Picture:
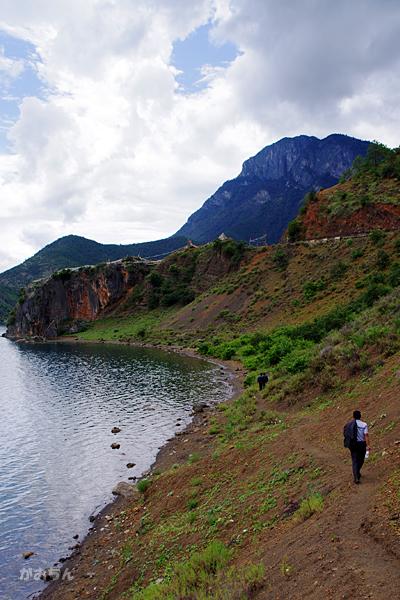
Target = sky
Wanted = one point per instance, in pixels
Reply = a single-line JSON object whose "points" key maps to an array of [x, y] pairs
{"points": [[118, 118]]}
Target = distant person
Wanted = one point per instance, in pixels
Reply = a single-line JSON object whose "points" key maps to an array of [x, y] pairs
{"points": [[356, 439], [265, 379], [262, 380]]}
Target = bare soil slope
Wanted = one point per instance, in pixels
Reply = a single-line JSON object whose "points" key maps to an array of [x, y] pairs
{"points": [[248, 490]]}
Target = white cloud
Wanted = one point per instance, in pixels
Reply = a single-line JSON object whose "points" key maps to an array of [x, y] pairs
{"points": [[116, 153], [10, 68]]}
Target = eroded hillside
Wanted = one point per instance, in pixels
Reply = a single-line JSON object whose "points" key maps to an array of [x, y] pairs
{"points": [[256, 499]]}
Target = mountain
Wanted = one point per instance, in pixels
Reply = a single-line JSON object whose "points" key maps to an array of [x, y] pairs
{"points": [[269, 191], [261, 200], [73, 251], [256, 495]]}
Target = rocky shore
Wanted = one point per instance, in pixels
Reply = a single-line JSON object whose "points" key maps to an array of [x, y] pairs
{"points": [[92, 559]]}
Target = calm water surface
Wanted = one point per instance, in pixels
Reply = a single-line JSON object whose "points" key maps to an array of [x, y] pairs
{"points": [[58, 403]]}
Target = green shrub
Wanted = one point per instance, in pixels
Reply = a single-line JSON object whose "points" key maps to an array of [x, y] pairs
{"points": [[311, 288], [280, 259], [371, 335], [191, 577], [143, 485], [196, 481], [203, 348], [63, 275], [338, 269], [357, 253], [192, 503], [309, 506], [155, 279], [205, 576], [294, 230], [365, 200], [382, 259], [377, 237], [227, 315], [127, 553], [298, 360], [394, 275], [372, 294], [154, 299], [247, 350], [231, 249]]}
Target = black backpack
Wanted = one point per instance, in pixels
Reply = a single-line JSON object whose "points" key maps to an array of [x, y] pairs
{"points": [[350, 434]]}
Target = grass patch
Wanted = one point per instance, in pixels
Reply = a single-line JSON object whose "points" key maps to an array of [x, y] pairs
{"points": [[121, 328], [143, 485], [203, 576], [309, 506]]}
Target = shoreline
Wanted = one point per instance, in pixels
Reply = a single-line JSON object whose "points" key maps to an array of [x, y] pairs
{"points": [[174, 451]]}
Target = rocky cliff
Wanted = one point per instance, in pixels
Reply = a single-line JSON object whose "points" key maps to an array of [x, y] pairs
{"points": [[370, 199], [71, 297], [271, 186], [73, 251]]}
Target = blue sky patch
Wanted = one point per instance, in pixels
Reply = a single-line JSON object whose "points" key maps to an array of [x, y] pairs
{"points": [[196, 51], [14, 89]]}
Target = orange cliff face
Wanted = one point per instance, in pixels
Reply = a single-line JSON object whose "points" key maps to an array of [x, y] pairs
{"points": [[319, 221], [72, 297], [63, 302]]}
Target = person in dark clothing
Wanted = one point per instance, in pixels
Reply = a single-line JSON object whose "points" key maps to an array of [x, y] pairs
{"points": [[262, 381], [359, 447]]}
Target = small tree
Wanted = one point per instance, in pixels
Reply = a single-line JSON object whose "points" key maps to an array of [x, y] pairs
{"points": [[294, 230], [281, 259]]}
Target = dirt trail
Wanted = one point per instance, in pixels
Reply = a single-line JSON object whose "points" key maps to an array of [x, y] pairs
{"points": [[347, 551], [335, 554]]}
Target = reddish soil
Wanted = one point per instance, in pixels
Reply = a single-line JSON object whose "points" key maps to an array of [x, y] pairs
{"points": [[350, 550], [374, 216]]}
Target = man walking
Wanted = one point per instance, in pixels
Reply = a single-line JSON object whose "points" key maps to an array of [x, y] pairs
{"points": [[356, 438], [262, 380]]}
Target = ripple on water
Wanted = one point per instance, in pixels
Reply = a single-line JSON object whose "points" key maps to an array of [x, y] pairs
{"points": [[59, 403]]}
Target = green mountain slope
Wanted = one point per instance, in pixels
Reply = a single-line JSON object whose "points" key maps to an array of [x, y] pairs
{"points": [[257, 499], [73, 251]]}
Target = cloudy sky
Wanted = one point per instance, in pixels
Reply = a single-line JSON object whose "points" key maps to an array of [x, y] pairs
{"points": [[119, 117]]}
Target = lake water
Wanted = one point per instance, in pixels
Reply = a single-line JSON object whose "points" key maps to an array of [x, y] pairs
{"points": [[58, 404]]}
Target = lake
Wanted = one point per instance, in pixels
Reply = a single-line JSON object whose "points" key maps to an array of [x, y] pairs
{"points": [[58, 403]]}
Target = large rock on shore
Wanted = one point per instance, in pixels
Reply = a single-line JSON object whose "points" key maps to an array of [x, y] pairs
{"points": [[126, 490]]}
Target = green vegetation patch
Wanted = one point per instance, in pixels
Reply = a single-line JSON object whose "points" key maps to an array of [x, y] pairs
{"points": [[205, 574], [309, 506], [139, 327]]}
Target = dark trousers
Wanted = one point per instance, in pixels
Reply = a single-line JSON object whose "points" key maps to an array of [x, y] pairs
{"points": [[357, 458]]}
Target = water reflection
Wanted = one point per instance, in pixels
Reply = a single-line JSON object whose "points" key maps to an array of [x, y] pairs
{"points": [[59, 403]]}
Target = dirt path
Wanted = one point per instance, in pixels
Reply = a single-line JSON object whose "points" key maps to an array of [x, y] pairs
{"points": [[335, 554]]}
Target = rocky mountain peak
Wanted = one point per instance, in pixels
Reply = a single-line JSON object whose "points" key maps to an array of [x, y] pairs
{"points": [[270, 188]]}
